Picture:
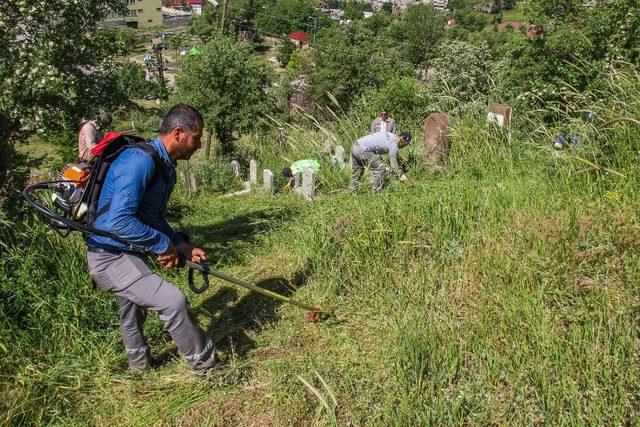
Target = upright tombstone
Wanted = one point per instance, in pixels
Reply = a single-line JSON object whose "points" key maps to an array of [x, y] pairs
{"points": [[281, 140], [267, 180], [340, 153], [307, 189], [327, 149], [236, 168], [499, 114], [192, 185], [437, 142], [253, 172]]}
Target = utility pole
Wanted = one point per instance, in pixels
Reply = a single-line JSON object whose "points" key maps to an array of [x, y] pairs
{"points": [[224, 14], [315, 25], [158, 50]]}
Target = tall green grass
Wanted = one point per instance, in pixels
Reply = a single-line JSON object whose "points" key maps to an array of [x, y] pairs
{"points": [[502, 289]]}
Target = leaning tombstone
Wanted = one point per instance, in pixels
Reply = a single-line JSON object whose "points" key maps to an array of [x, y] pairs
{"points": [[281, 139], [499, 114], [236, 168], [307, 189], [437, 142], [267, 180], [253, 172]]}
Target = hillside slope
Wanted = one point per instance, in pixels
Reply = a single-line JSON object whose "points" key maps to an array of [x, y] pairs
{"points": [[503, 289]]}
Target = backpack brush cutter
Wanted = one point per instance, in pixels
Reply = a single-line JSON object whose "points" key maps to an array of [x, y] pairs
{"points": [[73, 198]]}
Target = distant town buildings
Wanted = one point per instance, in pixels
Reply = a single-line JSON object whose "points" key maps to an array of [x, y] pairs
{"points": [[191, 5], [141, 14], [401, 5]]}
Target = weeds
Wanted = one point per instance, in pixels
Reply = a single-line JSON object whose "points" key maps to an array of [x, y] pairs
{"points": [[500, 290]]}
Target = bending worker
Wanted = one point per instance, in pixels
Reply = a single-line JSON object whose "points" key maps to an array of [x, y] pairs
{"points": [[132, 206], [293, 174], [91, 133], [366, 153]]}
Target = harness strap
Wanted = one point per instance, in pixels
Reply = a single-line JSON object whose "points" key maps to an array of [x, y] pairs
{"points": [[159, 168]]}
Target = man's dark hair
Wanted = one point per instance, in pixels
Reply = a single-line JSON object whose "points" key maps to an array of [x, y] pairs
{"points": [[384, 110], [287, 172], [181, 116], [406, 136]]}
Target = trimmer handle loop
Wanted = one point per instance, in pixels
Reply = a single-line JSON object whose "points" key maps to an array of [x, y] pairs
{"points": [[192, 284]]}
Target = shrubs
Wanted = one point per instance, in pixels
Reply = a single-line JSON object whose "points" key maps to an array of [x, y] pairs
{"points": [[216, 176]]}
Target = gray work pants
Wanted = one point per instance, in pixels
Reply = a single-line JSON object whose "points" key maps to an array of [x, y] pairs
{"points": [[139, 289], [361, 160]]}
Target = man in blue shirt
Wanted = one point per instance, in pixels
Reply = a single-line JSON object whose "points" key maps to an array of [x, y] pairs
{"points": [[132, 203]]}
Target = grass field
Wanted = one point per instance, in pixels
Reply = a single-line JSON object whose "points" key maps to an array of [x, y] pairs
{"points": [[500, 290]]}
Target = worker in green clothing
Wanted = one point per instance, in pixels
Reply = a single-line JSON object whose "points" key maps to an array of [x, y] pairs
{"points": [[293, 174]]}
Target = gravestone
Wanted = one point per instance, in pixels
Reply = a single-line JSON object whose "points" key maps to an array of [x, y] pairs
{"points": [[192, 183], [267, 180], [327, 148], [499, 114], [253, 172], [236, 168], [281, 139], [437, 142], [340, 153], [307, 189]]}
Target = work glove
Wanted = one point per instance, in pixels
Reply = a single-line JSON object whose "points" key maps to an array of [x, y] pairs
{"points": [[403, 177]]}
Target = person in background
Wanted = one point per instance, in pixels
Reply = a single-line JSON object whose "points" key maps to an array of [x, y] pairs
{"points": [[91, 133], [383, 123], [366, 153], [293, 174]]}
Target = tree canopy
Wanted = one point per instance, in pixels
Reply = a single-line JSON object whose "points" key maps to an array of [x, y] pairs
{"points": [[229, 85]]}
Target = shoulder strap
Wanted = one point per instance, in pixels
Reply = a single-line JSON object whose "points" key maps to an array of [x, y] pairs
{"points": [[160, 168]]}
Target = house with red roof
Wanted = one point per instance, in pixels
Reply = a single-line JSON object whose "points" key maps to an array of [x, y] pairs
{"points": [[196, 5], [300, 38]]}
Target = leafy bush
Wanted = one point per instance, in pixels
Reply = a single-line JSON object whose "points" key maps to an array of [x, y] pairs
{"points": [[216, 176], [132, 81]]}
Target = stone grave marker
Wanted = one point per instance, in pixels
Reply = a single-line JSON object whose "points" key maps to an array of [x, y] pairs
{"points": [[253, 172], [267, 180], [192, 183], [340, 153], [307, 189], [236, 168], [437, 142], [327, 148], [499, 114]]}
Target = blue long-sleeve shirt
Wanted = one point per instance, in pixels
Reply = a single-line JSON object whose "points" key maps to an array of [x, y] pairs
{"points": [[138, 202]]}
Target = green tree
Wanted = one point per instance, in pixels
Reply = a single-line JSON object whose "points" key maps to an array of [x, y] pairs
{"points": [[355, 10], [578, 46], [132, 81], [348, 63], [419, 31], [228, 84], [471, 20], [53, 68], [287, 16], [284, 52]]}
